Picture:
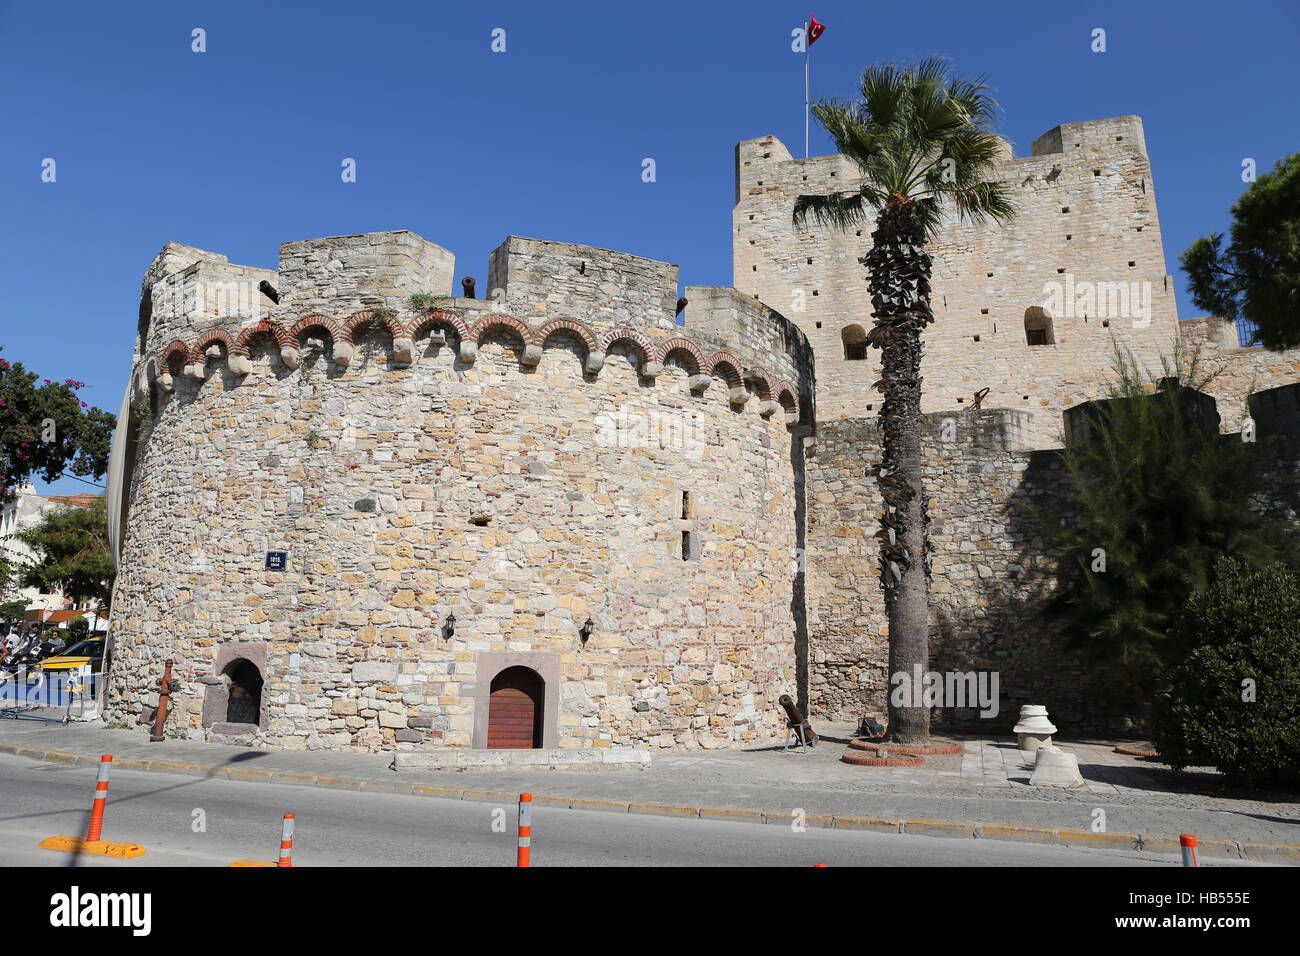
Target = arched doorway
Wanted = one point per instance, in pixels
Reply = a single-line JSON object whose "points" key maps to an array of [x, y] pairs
{"points": [[244, 703], [515, 710]]}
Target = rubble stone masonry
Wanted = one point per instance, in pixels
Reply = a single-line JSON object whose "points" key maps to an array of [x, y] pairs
{"points": [[581, 456]]}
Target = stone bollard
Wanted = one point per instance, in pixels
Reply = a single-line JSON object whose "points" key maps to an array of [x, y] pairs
{"points": [[1053, 767], [1034, 730]]}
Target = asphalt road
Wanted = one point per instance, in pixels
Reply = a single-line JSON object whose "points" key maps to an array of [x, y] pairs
{"points": [[163, 813]]}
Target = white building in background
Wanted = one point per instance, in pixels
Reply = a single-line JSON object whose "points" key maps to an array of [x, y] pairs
{"points": [[23, 512]]}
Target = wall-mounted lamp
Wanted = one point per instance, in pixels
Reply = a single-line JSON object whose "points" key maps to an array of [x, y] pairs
{"points": [[584, 632], [449, 627]]}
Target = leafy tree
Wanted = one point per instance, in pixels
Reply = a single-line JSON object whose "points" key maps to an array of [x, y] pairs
{"points": [[12, 612], [922, 142], [1155, 496], [1257, 277], [46, 428], [71, 545], [12, 607], [1234, 701]]}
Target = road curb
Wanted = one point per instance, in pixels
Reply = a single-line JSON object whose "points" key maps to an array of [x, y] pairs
{"points": [[1257, 852]]}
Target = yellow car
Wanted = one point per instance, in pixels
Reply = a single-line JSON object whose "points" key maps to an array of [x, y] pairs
{"points": [[89, 651]]}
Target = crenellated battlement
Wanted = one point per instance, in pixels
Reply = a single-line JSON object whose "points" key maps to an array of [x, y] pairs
{"points": [[463, 329], [207, 311]]}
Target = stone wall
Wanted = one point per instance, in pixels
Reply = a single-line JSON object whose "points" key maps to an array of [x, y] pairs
{"points": [[525, 473], [991, 575], [1235, 373]]}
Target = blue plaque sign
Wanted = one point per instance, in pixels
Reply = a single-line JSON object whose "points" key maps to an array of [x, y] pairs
{"points": [[276, 560]]}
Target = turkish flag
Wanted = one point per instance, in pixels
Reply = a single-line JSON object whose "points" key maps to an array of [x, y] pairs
{"points": [[815, 29]]}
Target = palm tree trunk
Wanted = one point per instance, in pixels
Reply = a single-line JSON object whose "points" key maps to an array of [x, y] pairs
{"points": [[900, 297]]}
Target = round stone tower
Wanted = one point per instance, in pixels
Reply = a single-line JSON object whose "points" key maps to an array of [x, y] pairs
{"points": [[556, 518]]}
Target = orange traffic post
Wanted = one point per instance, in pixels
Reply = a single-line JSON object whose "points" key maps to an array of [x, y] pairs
{"points": [[93, 841], [525, 828], [100, 796], [1188, 843], [286, 848], [286, 841]]}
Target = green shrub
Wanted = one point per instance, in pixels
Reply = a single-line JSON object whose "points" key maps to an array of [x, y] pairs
{"points": [[1154, 496], [1247, 628], [422, 301]]}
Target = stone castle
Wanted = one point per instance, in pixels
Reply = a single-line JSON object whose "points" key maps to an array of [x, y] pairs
{"points": [[584, 517]]}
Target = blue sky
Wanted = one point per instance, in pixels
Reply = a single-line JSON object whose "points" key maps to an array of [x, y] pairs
{"points": [[239, 148]]}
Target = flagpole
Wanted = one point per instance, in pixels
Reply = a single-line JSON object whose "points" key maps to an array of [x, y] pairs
{"points": [[807, 46]]}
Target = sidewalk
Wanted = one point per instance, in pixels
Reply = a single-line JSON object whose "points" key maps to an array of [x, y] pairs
{"points": [[982, 793]]}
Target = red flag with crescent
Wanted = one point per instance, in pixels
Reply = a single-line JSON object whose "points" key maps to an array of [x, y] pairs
{"points": [[815, 29]]}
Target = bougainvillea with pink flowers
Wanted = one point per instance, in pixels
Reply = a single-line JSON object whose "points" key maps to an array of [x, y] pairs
{"points": [[48, 429]]}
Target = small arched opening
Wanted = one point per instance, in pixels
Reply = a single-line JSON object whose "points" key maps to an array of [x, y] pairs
{"points": [[1038, 326], [855, 343], [515, 710], [244, 700]]}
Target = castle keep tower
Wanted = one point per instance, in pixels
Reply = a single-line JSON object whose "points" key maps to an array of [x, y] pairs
{"points": [[556, 518], [1028, 311]]}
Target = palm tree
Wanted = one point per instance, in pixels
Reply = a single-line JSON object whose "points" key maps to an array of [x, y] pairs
{"points": [[922, 142]]}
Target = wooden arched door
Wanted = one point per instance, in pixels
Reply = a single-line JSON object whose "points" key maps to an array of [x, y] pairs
{"points": [[515, 710]]}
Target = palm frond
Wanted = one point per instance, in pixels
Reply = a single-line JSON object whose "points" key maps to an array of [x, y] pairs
{"points": [[840, 210], [920, 133]]}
